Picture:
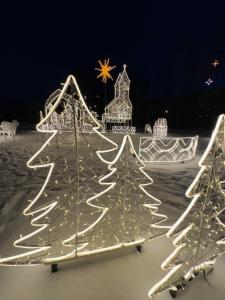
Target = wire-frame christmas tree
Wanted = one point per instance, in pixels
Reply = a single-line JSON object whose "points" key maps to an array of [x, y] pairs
{"points": [[131, 215], [199, 232], [70, 162], [79, 212]]}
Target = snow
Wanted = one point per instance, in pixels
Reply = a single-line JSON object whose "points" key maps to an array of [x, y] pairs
{"points": [[110, 276], [124, 277]]}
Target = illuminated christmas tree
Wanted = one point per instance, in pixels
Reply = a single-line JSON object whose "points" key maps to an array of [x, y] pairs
{"points": [[79, 211], [131, 211], [199, 232], [69, 161]]}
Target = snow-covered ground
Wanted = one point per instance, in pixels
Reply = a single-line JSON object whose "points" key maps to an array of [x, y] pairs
{"points": [[127, 276], [122, 278]]}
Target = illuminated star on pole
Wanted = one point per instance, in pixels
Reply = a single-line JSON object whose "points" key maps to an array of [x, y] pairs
{"points": [[209, 81], [104, 70]]}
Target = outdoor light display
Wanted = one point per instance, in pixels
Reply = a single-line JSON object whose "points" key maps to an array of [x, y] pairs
{"points": [[148, 129], [94, 198], [209, 81], [52, 99], [63, 119], [199, 232], [124, 129], [167, 150], [8, 129], [131, 212], [119, 110], [104, 70], [160, 129]]}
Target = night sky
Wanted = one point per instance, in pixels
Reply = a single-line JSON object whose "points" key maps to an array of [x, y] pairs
{"points": [[168, 47]]}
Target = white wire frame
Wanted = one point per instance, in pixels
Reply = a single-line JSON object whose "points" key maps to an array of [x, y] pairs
{"points": [[8, 129], [123, 129], [119, 110], [168, 150], [160, 128], [64, 120], [216, 142]]}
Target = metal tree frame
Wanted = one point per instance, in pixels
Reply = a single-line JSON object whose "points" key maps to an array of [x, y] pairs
{"points": [[199, 233], [94, 198]]}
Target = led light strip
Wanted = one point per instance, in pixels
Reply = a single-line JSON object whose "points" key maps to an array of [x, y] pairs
{"points": [[168, 150], [157, 288], [27, 211]]}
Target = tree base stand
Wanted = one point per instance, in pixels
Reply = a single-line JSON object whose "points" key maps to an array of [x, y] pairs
{"points": [[139, 248], [184, 282], [173, 293], [54, 268]]}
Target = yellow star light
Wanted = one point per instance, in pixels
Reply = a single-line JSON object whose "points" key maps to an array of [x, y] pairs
{"points": [[104, 70]]}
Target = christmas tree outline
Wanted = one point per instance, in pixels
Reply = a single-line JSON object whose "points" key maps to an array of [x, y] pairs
{"points": [[152, 207], [170, 262], [46, 209]]}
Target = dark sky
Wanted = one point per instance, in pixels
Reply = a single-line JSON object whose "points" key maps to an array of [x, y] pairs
{"points": [[167, 45]]}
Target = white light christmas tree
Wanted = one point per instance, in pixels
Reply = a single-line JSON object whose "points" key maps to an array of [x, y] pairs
{"points": [[199, 232], [131, 211], [79, 211], [61, 208]]}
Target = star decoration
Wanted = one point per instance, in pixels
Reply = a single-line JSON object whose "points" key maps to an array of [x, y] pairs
{"points": [[209, 81], [215, 63], [104, 70]]}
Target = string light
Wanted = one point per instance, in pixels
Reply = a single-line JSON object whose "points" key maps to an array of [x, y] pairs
{"points": [[38, 252], [64, 120], [8, 129], [119, 110], [72, 215], [202, 241], [148, 128], [136, 218], [123, 129], [160, 129], [167, 150], [209, 81], [215, 63]]}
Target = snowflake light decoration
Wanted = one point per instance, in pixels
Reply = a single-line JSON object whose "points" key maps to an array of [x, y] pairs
{"points": [[104, 70]]}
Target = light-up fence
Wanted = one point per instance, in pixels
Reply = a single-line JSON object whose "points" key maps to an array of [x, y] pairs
{"points": [[167, 150], [123, 129]]}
